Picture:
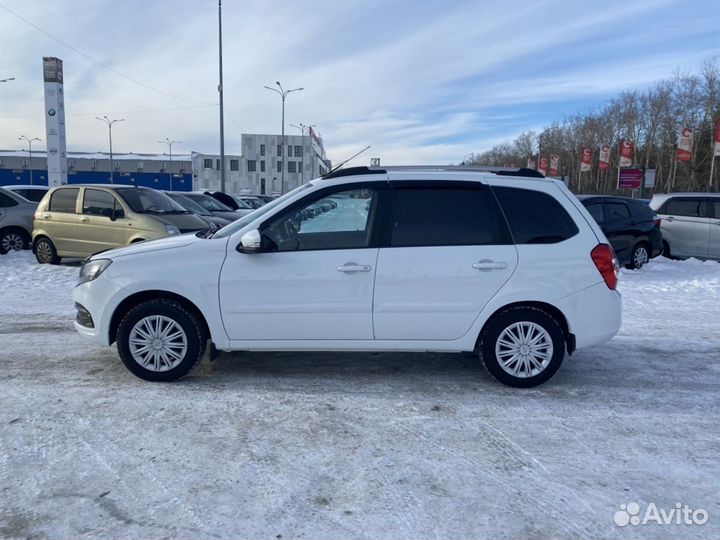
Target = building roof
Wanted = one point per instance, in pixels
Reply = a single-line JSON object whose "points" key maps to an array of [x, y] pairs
{"points": [[100, 155]]}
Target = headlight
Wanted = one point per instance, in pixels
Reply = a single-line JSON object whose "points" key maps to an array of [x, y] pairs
{"points": [[92, 269], [172, 230]]}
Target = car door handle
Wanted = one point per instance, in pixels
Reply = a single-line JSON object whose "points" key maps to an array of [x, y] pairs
{"points": [[354, 267], [47, 216], [486, 265], [84, 220]]}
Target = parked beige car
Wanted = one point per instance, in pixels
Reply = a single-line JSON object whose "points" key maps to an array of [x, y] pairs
{"points": [[80, 220]]}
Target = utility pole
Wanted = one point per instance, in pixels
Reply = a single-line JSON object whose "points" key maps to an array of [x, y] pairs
{"points": [[283, 94], [29, 141], [170, 143], [220, 91], [109, 125]]}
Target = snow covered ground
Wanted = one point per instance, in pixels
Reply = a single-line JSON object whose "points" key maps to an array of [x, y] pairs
{"points": [[359, 445]]}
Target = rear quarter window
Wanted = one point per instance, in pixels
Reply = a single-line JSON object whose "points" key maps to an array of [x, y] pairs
{"points": [[6, 201], [535, 217]]}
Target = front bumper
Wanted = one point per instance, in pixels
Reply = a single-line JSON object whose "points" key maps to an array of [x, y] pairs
{"points": [[99, 298]]}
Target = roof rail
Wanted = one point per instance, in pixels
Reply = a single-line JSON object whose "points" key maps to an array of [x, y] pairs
{"points": [[353, 171]]}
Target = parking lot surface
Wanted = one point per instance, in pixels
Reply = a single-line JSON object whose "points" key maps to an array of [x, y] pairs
{"points": [[359, 445]]}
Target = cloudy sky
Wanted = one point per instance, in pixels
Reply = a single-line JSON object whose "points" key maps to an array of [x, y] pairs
{"points": [[421, 81]]}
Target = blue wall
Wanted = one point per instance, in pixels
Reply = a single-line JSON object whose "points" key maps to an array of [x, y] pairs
{"points": [[154, 180]]}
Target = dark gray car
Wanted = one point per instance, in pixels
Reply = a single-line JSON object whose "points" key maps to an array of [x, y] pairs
{"points": [[16, 221]]}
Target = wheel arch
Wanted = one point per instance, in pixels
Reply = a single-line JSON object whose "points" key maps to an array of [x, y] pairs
{"points": [[139, 297], [18, 229], [551, 310]]}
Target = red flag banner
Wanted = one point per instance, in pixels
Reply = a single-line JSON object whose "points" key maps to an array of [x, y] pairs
{"points": [[530, 163], [543, 166], [685, 142], [627, 150], [554, 165], [604, 157], [717, 137], [586, 161]]}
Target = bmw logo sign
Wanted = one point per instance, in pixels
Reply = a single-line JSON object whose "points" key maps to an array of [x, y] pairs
{"points": [[51, 112]]}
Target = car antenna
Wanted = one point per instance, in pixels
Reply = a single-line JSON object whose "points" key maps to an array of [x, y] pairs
{"points": [[348, 159]]}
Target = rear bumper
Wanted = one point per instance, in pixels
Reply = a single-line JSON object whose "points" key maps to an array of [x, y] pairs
{"points": [[655, 243], [594, 314]]}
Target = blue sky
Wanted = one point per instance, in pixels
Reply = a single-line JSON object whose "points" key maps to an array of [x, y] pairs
{"points": [[422, 81]]}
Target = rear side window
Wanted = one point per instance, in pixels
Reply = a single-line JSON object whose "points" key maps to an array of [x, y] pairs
{"points": [[686, 208], [444, 217], [535, 217], [63, 200], [34, 195], [6, 201], [617, 210]]}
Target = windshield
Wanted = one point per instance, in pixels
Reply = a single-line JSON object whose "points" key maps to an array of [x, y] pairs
{"points": [[208, 202], [149, 201], [252, 216], [189, 204], [242, 203]]}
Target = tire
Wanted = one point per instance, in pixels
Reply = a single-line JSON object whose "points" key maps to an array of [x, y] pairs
{"points": [[639, 257], [13, 239], [45, 251], [174, 358], [539, 363], [666, 250]]}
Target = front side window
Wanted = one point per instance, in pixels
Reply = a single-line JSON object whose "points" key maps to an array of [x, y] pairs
{"points": [[341, 220], [535, 217], [686, 208], [63, 200], [596, 211], [97, 202], [617, 210], [442, 216]]}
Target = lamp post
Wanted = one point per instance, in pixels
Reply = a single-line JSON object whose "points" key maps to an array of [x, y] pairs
{"points": [[220, 92], [302, 127], [109, 125], [29, 141], [471, 155], [283, 94], [170, 142]]}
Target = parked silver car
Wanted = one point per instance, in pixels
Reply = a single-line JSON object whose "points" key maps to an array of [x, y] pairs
{"points": [[30, 192], [690, 224], [16, 221]]}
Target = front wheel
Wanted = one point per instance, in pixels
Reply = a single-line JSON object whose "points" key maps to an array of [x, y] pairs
{"points": [[522, 347], [639, 257], [160, 340]]}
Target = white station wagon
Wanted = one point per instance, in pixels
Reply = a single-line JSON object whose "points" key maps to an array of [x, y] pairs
{"points": [[498, 262]]}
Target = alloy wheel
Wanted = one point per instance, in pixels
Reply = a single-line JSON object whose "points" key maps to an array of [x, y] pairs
{"points": [[11, 241], [524, 349], [641, 257]]}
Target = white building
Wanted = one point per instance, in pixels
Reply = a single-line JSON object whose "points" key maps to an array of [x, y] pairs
{"points": [[259, 168]]}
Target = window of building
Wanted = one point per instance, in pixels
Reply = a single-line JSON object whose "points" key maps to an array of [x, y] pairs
{"points": [[279, 166], [346, 225], [252, 165], [63, 200], [207, 163], [262, 185], [535, 217], [291, 166], [234, 165], [443, 216], [290, 150], [279, 150], [217, 164], [262, 166], [298, 151], [262, 149]]}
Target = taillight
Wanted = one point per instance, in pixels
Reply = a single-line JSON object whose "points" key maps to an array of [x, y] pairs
{"points": [[657, 221], [604, 258]]}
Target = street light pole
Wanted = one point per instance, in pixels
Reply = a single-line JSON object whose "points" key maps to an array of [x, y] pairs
{"points": [[283, 94], [302, 128], [29, 141], [170, 143], [109, 125], [220, 91]]}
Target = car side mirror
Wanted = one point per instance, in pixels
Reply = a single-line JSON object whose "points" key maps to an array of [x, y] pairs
{"points": [[250, 242]]}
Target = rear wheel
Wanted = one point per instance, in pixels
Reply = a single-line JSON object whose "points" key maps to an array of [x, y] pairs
{"points": [[13, 240], [639, 257], [522, 346], [45, 251], [160, 340]]}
